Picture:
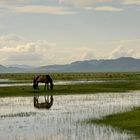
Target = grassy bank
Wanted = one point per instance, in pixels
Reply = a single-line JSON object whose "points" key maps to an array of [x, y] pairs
{"points": [[113, 82], [129, 121], [76, 76], [85, 88]]}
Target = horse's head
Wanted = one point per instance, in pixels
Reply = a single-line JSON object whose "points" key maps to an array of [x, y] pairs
{"points": [[35, 84]]}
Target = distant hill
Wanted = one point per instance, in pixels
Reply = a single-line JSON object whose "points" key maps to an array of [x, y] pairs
{"points": [[2, 68], [123, 64]]}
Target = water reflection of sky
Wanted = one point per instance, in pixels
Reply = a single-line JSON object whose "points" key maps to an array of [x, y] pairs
{"points": [[8, 83], [62, 121]]}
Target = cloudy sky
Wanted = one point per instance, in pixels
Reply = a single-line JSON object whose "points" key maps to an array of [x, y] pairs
{"points": [[44, 32]]}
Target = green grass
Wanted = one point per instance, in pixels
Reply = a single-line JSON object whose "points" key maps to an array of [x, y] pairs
{"points": [[126, 121], [86, 88], [129, 121], [76, 76], [114, 83]]}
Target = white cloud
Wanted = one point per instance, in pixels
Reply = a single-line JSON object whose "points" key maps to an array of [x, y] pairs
{"points": [[40, 52], [11, 40], [121, 51], [11, 37], [131, 2], [13, 2], [15, 49], [108, 8], [125, 48], [40, 9], [80, 53], [82, 3], [35, 9]]}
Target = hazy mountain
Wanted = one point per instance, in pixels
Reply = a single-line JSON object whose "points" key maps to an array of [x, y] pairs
{"points": [[21, 66], [2, 68], [123, 64]]}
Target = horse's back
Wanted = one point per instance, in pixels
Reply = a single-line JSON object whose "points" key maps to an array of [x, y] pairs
{"points": [[40, 78], [43, 78]]}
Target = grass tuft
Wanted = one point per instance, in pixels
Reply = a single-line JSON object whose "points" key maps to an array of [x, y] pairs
{"points": [[129, 121]]}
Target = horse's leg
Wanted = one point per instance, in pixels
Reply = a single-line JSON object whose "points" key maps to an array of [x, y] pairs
{"points": [[45, 86], [48, 98], [37, 87], [45, 99]]}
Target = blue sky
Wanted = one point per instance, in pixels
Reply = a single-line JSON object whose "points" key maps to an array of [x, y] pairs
{"points": [[45, 32]]}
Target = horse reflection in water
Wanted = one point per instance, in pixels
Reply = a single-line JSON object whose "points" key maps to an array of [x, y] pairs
{"points": [[43, 79], [49, 83], [44, 105]]}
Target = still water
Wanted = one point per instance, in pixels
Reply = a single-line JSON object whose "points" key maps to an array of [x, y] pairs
{"points": [[9, 83], [19, 120]]}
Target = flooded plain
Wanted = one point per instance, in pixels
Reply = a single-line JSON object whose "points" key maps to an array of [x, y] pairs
{"points": [[9, 83], [19, 120]]}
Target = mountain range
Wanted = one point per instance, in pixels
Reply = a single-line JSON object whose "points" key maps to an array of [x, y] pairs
{"points": [[122, 64]]}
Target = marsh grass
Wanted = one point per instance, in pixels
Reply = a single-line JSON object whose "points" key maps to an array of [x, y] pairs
{"points": [[68, 89], [84, 88], [21, 114], [129, 121], [76, 76], [125, 121]]}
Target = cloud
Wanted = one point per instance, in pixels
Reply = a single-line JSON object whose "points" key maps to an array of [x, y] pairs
{"points": [[82, 3], [11, 40], [16, 49], [39, 52], [13, 2], [125, 48], [108, 8], [35, 9], [131, 2], [40, 9], [121, 51], [11, 37]]}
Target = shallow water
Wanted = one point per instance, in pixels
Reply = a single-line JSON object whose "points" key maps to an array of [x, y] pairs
{"points": [[9, 83], [20, 120]]}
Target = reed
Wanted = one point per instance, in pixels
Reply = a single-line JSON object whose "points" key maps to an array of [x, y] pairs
{"points": [[129, 121]]}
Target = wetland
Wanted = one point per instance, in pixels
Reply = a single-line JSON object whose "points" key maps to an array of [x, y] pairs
{"points": [[78, 98]]}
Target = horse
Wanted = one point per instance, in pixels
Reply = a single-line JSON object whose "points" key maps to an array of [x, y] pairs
{"points": [[46, 105], [43, 79]]}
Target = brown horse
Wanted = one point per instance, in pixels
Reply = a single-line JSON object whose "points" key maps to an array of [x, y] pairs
{"points": [[47, 104], [43, 79]]}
